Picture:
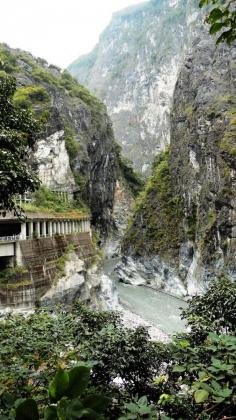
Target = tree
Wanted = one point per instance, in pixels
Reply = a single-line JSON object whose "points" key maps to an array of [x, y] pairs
{"points": [[215, 311], [18, 130], [222, 18]]}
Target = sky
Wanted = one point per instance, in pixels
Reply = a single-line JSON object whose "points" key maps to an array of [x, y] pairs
{"points": [[56, 30]]}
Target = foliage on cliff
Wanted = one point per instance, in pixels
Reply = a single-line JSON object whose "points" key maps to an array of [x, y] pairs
{"points": [[192, 377], [44, 200], [18, 130], [60, 103], [133, 179], [221, 18], [155, 227]]}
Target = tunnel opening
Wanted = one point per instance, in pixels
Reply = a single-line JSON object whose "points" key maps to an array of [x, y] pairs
{"points": [[10, 229]]}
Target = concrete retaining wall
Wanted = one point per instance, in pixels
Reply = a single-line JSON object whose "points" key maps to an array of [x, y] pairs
{"points": [[40, 258]]}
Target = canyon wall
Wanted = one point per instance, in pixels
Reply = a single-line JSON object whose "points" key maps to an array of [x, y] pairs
{"points": [[75, 151], [183, 228], [134, 68]]}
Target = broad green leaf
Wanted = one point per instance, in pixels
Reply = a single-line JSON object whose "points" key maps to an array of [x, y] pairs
{"points": [[78, 380], [205, 386], [145, 410], [59, 385], [179, 369], [132, 407], [50, 413], [87, 413], [218, 399], [166, 418], [215, 385], [27, 410], [203, 3], [69, 409], [223, 392], [203, 376], [97, 402], [143, 400], [201, 395], [216, 27], [214, 15]]}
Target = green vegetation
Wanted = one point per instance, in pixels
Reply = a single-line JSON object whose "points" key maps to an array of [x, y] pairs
{"points": [[68, 400], [18, 130], [25, 96], [213, 312], [60, 262], [191, 377], [156, 227], [228, 143], [13, 277], [72, 146], [47, 201], [43, 75], [189, 111], [221, 18], [191, 220], [134, 180], [70, 85], [8, 62]]}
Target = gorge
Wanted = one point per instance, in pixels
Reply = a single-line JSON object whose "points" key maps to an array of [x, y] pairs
{"points": [[118, 214], [181, 232]]}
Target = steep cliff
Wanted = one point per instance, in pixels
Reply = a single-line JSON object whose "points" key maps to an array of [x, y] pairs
{"points": [[184, 226], [134, 68], [76, 150]]}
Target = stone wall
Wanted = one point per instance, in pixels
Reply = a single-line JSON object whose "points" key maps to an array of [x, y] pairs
{"points": [[44, 261]]}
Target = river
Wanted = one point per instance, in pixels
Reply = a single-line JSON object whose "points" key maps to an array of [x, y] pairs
{"points": [[156, 308]]}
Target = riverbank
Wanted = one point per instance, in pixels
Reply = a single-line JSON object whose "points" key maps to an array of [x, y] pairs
{"points": [[131, 320]]}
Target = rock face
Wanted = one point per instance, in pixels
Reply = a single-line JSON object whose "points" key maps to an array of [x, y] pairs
{"points": [[76, 149], [194, 184], [203, 157], [53, 163], [134, 68]]}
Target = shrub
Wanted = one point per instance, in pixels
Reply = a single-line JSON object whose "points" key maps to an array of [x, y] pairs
{"points": [[8, 61], [215, 311], [25, 96], [119, 352], [46, 200], [72, 146], [45, 76]]}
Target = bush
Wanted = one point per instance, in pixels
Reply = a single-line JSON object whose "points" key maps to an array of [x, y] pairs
{"points": [[192, 377], [48, 201], [8, 61], [120, 352], [69, 399], [72, 146], [25, 96], [215, 311]]}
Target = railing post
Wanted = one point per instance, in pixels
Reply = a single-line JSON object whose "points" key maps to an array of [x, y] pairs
{"points": [[31, 229], [23, 231], [44, 233], [50, 228]]}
